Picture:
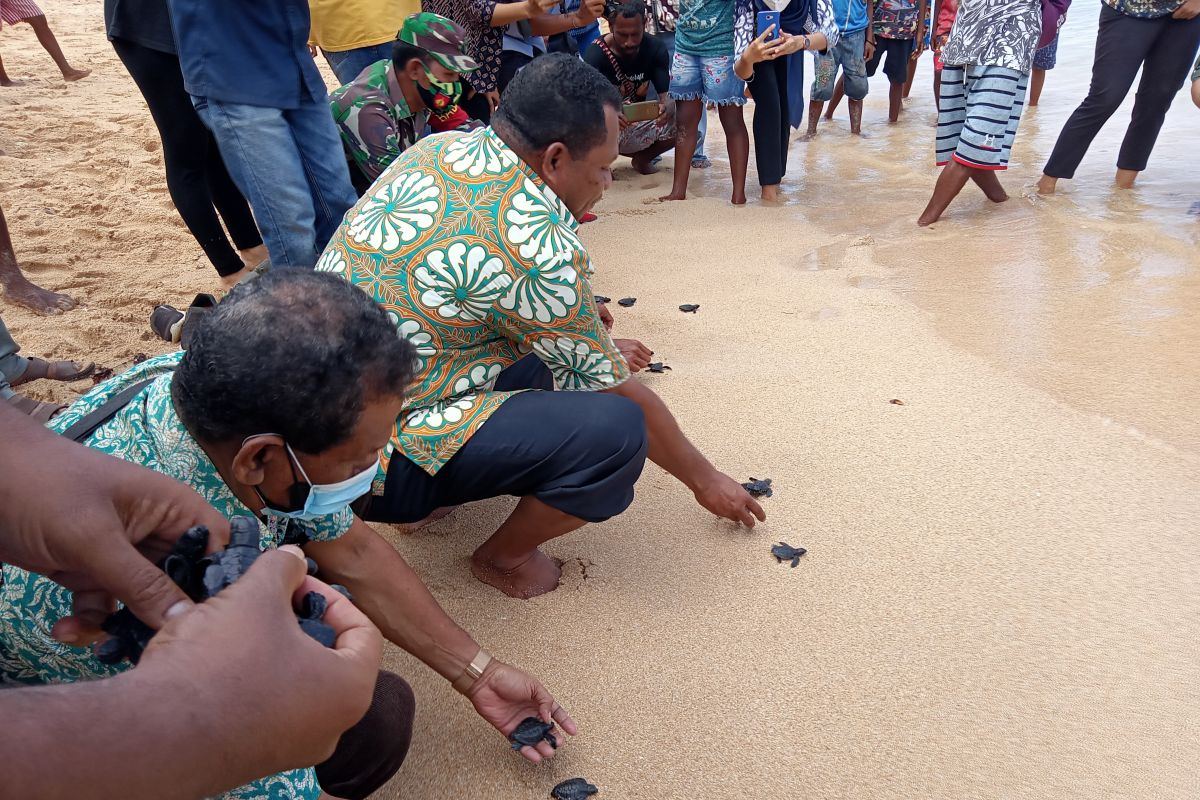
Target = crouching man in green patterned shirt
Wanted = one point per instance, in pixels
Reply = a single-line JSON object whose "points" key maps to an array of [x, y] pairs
{"points": [[469, 242], [278, 409]]}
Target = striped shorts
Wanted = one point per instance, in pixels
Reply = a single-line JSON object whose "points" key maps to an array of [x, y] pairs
{"points": [[13, 11], [980, 109]]}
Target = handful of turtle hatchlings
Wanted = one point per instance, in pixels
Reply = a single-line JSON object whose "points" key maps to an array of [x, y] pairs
{"points": [[201, 577]]}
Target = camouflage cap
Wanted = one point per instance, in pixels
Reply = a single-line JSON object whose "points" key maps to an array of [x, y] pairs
{"points": [[442, 38]]}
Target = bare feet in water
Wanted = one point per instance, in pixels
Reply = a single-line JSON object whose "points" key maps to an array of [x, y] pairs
{"points": [[36, 299], [537, 574], [1125, 178], [738, 198], [770, 194], [1047, 185]]}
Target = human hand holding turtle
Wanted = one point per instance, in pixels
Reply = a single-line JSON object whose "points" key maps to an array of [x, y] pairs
{"points": [[505, 696], [636, 354]]}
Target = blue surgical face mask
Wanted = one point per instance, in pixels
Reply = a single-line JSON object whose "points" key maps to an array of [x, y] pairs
{"points": [[325, 498]]}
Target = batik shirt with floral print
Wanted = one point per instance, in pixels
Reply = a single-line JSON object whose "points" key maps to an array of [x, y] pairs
{"points": [[478, 264], [147, 431]]}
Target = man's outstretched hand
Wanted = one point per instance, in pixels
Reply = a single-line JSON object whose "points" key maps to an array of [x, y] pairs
{"points": [[505, 696], [727, 498]]}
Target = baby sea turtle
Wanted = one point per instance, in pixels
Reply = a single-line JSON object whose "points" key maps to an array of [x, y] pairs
{"points": [[531, 731], [573, 789], [759, 488], [601, 299], [690, 308], [657, 366], [202, 576], [784, 552], [627, 302]]}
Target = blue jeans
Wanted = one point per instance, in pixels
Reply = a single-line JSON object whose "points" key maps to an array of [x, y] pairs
{"points": [[669, 40], [348, 64], [849, 54], [292, 170]]}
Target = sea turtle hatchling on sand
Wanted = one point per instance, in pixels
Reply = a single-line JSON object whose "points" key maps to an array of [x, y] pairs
{"points": [[759, 488], [531, 731], [690, 308], [601, 299], [627, 302], [785, 552], [657, 366], [574, 789]]}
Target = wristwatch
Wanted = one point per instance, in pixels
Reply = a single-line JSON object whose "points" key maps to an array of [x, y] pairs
{"points": [[807, 42]]}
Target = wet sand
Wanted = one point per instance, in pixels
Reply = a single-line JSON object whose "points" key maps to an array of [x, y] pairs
{"points": [[999, 595]]}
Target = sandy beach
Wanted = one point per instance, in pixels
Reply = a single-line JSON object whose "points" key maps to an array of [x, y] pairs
{"points": [[999, 597]]}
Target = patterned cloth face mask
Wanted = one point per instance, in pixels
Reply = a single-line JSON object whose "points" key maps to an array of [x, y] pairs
{"points": [[441, 96]]}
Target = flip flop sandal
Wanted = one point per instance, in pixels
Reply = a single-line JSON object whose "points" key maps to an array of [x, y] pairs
{"points": [[35, 409], [588, 217], [65, 371], [175, 326]]}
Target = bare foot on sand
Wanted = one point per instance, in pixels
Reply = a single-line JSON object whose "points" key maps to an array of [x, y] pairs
{"points": [[644, 164], [770, 194], [738, 198], [537, 575], [1047, 185], [990, 185], [677, 196], [11, 82], [37, 299], [72, 75]]}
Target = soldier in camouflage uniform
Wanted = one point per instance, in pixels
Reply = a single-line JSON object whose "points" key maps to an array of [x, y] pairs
{"points": [[393, 103]]}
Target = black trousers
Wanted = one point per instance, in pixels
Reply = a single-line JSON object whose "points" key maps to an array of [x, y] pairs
{"points": [[196, 175], [578, 452], [771, 113], [1164, 49], [370, 753]]}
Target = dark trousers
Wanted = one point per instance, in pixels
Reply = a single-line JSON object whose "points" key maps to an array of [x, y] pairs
{"points": [[1163, 48], [196, 175], [771, 113], [370, 753], [578, 452]]}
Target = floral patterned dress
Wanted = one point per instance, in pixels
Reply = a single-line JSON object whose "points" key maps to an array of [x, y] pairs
{"points": [[478, 263], [148, 432]]}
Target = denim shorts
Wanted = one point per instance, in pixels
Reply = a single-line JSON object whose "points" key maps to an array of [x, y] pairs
{"points": [[849, 54], [710, 79]]}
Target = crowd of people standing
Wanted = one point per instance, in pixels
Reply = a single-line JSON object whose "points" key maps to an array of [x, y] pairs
{"points": [[411, 326]]}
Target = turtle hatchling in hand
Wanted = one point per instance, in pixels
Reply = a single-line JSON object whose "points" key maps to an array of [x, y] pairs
{"points": [[574, 789], [785, 552], [531, 731]]}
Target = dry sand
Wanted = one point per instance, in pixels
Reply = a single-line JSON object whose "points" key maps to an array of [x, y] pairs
{"points": [[999, 599]]}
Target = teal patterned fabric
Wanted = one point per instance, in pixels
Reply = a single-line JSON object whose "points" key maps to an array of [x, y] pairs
{"points": [[147, 432]]}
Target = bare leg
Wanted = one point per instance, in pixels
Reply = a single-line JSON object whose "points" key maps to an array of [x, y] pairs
{"points": [[687, 119], [912, 74], [643, 161], [895, 101], [1047, 185], [4, 79], [989, 182], [814, 116], [952, 180], [737, 142], [17, 287], [46, 37], [511, 561], [1125, 178], [856, 107], [1036, 82], [838, 90]]}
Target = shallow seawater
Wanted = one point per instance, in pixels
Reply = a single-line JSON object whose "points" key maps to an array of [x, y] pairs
{"points": [[1092, 294]]}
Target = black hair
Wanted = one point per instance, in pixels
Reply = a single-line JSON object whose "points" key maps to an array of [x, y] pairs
{"points": [[402, 53], [293, 352], [630, 9], [556, 98]]}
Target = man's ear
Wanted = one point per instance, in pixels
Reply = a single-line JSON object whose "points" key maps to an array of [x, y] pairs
{"points": [[256, 454], [554, 160], [414, 69]]}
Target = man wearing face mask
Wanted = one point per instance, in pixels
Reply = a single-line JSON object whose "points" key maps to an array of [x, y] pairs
{"points": [[392, 103], [278, 409]]}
